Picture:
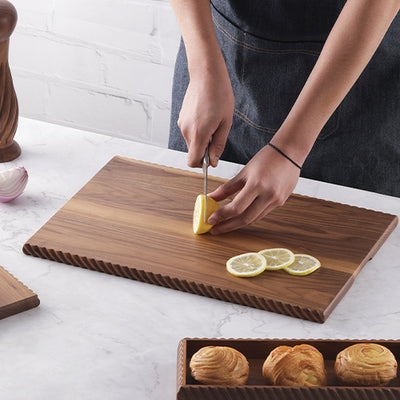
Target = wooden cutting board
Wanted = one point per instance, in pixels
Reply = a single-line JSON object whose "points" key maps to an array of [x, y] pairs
{"points": [[15, 297], [134, 219]]}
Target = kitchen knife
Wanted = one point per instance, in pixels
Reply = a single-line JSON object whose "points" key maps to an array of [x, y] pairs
{"points": [[206, 163]]}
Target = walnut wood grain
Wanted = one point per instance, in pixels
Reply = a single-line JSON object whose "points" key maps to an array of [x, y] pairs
{"points": [[15, 297], [9, 148], [134, 219], [256, 351]]}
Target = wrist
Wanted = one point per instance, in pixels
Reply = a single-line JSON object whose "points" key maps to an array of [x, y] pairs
{"points": [[294, 143], [285, 155], [206, 61]]}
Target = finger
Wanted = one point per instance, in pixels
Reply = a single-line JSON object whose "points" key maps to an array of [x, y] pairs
{"points": [[184, 132], [275, 204], [218, 142], [228, 188], [197, 148], [236, 207], [255, 212]]}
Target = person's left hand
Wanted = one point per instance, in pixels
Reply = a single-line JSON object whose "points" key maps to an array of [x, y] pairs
{"points": [[263, 184]]}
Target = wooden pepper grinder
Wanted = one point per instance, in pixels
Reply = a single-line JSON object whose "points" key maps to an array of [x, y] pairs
{"points": [[9, 149]]}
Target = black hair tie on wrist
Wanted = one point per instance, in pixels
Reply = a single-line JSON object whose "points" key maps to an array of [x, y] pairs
{"points": [[284, 155]]}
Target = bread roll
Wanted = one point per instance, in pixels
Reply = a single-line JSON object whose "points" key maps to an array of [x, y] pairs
{"points": [[272, 359], [219, 365], [301, 365], [365, 364]]}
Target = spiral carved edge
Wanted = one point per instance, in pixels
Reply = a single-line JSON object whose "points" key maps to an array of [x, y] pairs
{"points": [[181, 365], [286, 393], [8, 106], [175, 283]]}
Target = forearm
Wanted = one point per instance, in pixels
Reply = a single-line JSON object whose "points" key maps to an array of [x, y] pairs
{"points": [[198, 33], [350, 45], [207, 107]]}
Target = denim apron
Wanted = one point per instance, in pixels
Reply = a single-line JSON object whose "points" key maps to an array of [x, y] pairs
{"points": [[270, 48]]}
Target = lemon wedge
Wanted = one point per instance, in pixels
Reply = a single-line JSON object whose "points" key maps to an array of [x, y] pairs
{"points": [[199, 226], [277, 258], [246, 265], [303, 265]]}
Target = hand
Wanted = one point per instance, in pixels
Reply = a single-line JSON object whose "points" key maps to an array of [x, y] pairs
{"points": [[263, 184], [206, 112]]}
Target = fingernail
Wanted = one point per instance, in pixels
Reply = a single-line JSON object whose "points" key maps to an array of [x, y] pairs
{"points": [[215, 161], [212, 221]]}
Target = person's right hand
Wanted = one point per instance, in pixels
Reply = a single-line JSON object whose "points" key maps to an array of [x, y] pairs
{"points": [[206, 112]]}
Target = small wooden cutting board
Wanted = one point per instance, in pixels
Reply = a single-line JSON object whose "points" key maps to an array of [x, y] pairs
{"points": [[15, 297], [134, 219]]}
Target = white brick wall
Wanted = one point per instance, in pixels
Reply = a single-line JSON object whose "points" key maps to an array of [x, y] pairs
{"points": [[99, 65]]}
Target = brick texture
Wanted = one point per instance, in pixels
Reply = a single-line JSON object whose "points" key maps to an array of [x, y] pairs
{"points": [[99, 65]]}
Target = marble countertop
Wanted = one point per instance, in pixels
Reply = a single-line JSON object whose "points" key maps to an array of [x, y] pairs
{"points": [[96, 336]]}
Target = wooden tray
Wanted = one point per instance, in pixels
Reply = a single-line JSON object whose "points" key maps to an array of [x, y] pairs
{"points": [[256, 351], [15, 297], [134, 219]]}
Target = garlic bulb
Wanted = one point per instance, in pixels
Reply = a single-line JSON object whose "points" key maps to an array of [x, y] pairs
{"points": [[12, 183]]}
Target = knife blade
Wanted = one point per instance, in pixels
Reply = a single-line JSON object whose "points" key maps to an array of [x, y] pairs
{"points": [[206, 163]]}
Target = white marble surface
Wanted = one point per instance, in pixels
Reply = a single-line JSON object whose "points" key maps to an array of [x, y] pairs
{"points": [[95, 336]]}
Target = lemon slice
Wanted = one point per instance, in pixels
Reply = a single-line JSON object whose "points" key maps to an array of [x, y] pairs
{"points": [[246, 265], [199, 226], [277, 258], [303, 265]]}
